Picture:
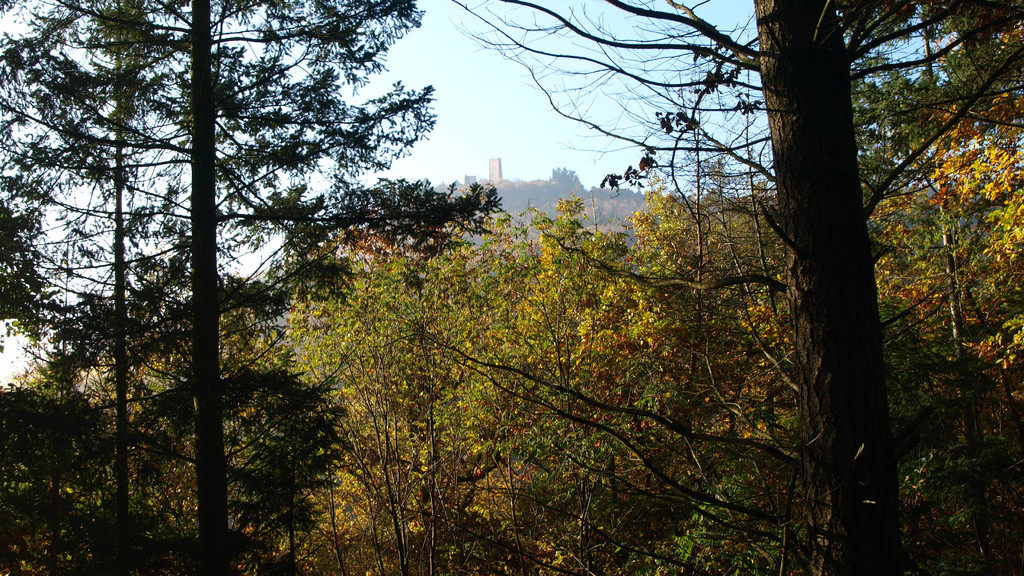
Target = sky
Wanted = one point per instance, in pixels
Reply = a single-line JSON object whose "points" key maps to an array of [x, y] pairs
{"points": [[488, 107]]}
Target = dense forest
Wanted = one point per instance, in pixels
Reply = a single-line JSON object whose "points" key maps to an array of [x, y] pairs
{"points": [[801, 354]]}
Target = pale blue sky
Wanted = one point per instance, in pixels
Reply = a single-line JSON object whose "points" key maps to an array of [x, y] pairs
{"points": [[488, 107]]}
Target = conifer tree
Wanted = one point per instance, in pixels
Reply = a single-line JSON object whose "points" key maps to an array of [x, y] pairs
{"points": [[241, 128]]}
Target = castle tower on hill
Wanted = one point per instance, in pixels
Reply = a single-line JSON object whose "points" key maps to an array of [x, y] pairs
{"points": [[495, 170]]}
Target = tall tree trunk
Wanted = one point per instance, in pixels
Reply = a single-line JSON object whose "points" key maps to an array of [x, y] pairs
{"points": [[849, 477], [54, 520], [977, 490], [211, 465], [121, 476]]}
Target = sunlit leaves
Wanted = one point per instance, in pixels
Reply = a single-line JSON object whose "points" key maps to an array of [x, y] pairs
{"points": [[948, 271], [535, 393]]}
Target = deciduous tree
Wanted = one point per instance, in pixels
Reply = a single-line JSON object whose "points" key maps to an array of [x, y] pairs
{"points": [[794, 69]]}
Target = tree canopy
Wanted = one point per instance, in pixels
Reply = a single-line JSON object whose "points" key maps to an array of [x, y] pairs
{"points": [[800, 355]]}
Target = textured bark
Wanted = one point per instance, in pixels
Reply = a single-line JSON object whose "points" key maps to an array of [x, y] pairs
{"points": [[849, 477], [211, 466]]}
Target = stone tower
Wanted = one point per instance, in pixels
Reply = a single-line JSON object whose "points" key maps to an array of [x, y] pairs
{"points": [[495, 170]]}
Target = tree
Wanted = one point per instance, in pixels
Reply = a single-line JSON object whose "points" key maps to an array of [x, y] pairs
{"points": [[946, 282], [516, 405], [806, 57], [21, 281], [567, 178], [237, 105], [54, 478], [414, 441]]}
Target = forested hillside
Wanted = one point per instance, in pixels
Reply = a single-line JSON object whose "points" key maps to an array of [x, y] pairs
{"points": [[798, 351], [602, 205]]}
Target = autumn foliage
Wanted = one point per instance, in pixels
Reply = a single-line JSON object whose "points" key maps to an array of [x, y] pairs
{"points": [[542, 393]]}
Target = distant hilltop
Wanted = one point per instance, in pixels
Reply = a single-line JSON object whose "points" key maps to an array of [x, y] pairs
{"points": [[603, 205]]}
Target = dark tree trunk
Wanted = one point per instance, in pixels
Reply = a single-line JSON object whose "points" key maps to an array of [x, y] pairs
{"points": [[121, 475], [56, 538], [211, 466], [849, 477]]}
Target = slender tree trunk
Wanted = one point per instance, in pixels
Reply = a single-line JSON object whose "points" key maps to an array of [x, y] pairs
{"points": [[293, 564], [211, 466], [849, 476], [434, 501], [332, 508], [977, 490], [122, 519], [54, 513]]}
